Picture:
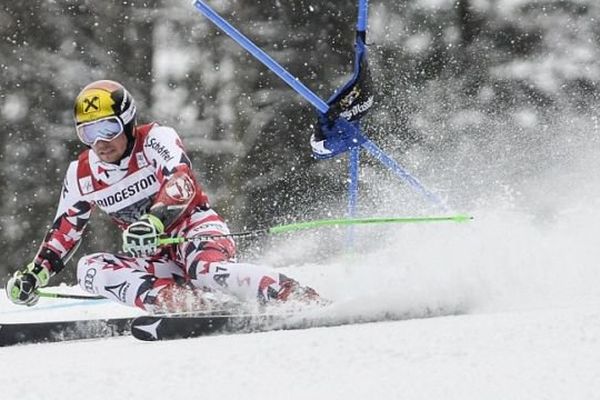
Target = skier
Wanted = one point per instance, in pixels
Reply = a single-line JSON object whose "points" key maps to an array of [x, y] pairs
{"points": [[142, 178]]}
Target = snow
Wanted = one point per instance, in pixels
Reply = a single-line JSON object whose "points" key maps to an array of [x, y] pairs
{"points": [[515, 294], [540, 354], [515, 297], [528, 327], [14, 108]]}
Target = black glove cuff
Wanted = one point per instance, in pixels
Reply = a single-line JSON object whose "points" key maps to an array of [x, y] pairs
{"points": [[56, 263]]}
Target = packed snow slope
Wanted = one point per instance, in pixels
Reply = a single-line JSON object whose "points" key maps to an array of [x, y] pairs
{"points": [[528, 327], [550, 353]]}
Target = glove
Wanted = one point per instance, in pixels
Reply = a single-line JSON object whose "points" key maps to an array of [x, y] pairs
{"points": [[22, 287], [141, 239]]}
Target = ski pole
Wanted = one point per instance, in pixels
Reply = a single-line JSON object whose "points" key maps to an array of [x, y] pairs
{"points": [[68, 296], [460, 218]]}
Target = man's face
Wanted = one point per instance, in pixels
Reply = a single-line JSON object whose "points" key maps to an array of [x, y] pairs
{"points": [[111, 151]]}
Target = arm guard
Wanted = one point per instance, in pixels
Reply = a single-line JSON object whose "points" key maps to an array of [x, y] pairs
{"points": [[175, 196], [179, 192]]}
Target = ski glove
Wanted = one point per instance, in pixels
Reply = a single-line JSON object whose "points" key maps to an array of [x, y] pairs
{"points": [[22, 287], [141, 239]]}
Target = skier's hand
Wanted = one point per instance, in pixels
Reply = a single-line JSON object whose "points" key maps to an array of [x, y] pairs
{"points": [[141, 239], [22, 287]]}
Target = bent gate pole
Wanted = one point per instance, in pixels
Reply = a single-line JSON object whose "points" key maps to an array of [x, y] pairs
{"points": [[315, 100]]}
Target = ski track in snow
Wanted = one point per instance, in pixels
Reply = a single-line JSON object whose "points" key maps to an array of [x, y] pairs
{"points": [[549, 354], [529, 329]]}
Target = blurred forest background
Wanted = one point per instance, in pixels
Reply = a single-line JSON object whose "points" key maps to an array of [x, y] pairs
{"points": [[448, 72]]}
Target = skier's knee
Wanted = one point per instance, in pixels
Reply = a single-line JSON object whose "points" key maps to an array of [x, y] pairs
{"points": [[87, 269], [201, 262]]}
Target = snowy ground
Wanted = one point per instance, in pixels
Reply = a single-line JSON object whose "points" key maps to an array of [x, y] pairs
{"points": [[523, 278], [544, 354], [529, 329]]}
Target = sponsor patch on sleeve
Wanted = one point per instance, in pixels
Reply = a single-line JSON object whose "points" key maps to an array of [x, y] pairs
{"points": [[180, 188], [86, 185]]}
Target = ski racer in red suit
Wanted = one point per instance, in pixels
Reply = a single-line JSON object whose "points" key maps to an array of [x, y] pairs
{"points": [[141, 177]]}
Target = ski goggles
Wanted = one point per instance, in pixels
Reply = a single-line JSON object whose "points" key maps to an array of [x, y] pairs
{"points": [[104, 129]]}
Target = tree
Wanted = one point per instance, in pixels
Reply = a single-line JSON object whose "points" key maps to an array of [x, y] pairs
{"points": [[49, 45]]}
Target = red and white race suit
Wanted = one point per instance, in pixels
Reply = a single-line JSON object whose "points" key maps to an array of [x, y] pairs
{"points": [[155, 177]]}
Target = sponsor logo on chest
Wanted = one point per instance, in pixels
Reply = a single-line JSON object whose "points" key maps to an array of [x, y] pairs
{"points": [[86, 185], [137, 186], [141, 160]]}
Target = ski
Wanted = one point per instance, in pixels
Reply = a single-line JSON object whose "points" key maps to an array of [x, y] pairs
{"points": [[192, 325], [168, 327], [185, 326], [59, 331]]}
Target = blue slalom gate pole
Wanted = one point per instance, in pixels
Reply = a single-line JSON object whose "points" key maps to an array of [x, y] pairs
{"points": [[354, 168], [376, 152], [263, 57], [311, 97], [363, 8], [354, 159]]}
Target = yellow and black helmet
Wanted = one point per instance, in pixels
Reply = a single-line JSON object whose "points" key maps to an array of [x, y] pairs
{"points": [[104, 100]]}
